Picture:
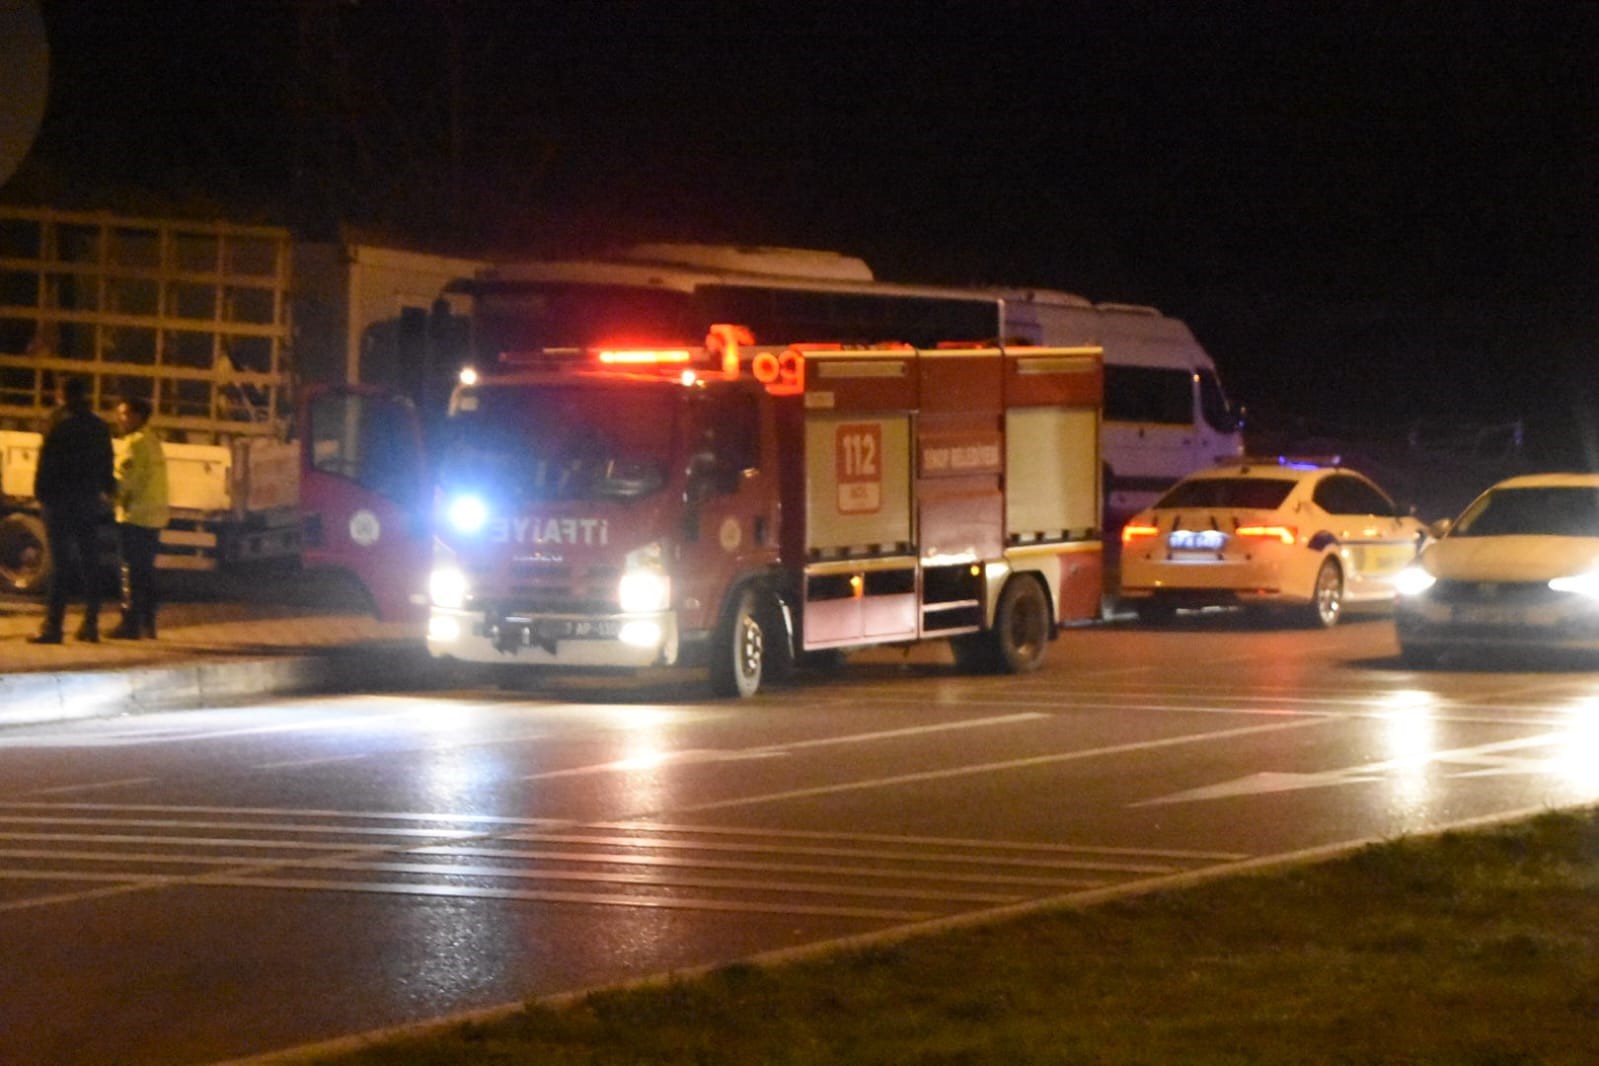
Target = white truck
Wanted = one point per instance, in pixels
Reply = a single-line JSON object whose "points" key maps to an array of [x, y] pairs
{"points": [[282, 375]]}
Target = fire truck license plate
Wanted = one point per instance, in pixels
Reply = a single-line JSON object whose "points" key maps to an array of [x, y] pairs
{"points": [[576, 629]]}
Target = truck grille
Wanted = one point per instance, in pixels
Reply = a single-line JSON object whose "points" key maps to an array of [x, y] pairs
{"points": [[548, 588]]}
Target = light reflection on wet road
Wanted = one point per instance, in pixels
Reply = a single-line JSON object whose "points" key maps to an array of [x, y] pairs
{"points": [[291, 872]]}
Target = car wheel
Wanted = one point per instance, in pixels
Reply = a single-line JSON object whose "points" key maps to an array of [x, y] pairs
{"points": [[1326, 597]]}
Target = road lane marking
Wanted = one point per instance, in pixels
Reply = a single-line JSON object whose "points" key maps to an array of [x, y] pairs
{"points": [[994, 767], [583, 898], [59, 789], [460, 870], [296, 764], [1270, 781], [699, 755], [901, 838], [657, 866]]}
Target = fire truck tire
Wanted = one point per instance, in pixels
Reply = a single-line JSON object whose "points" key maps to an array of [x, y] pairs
{"points": [[781, 662], [739, 647], [25, 562], [1016, 643], [1021, 626]]}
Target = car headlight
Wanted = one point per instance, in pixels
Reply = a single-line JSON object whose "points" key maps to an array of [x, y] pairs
{"points": [[645, 590], [1413, 581], [1582, 584], [467, 513], [447, 586]]}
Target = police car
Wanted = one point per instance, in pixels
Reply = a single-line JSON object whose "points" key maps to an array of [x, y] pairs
{"points": [[1307, 536]]}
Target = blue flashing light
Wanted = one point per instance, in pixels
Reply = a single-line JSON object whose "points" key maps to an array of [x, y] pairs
{"points": [[467, 514], [1289, 463]]}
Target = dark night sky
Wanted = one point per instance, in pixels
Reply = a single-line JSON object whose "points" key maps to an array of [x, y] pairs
{"points": [[1383, 210]]}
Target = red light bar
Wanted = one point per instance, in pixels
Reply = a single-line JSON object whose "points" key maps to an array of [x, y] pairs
{"points": [[650, 356]]}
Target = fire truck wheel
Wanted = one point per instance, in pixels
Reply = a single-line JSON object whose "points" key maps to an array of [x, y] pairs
{"points": [[24, 554], [738, 650], [1021, 626], [781, 661]]}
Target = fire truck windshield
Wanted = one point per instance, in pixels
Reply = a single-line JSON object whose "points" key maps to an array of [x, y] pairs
{"points": [[520, 443]]}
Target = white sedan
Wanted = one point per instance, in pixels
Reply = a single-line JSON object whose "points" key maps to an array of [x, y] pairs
{"points": [[1518, 569], [1304, 536]]}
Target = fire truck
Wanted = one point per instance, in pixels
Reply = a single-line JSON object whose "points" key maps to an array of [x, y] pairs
{"points": [[741, 508]]}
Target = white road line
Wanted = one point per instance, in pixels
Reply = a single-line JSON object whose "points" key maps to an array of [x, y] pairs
{"points": [[458, 870], [591, 899], [281, 827], [262, 843], [980, 768], [958, 858], [768, 750], [701, 863], [897, 838], [1048, 861], [295, 764], [1363, 773], [282, 812], [58, 790]]}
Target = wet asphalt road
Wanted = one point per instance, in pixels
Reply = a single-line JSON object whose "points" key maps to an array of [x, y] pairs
{"points": [[197, 886]]}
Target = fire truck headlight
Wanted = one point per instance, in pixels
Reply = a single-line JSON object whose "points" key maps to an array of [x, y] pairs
{"points": [[467, 514], [641, 634], [448, 588], [1413, 581], [643, 591]]}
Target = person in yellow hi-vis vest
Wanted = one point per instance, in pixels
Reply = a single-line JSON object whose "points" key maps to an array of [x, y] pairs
{"points": [[142, 512]]}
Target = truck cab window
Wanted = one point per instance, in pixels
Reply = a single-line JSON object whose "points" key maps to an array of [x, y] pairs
{"points": [[369, 440]]}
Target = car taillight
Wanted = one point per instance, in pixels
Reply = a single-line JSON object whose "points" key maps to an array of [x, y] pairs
{"points": [[1286, 534], [1138, 531]]}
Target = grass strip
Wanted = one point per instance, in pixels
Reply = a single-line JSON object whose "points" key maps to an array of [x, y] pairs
{"points": [[1474, 947]]}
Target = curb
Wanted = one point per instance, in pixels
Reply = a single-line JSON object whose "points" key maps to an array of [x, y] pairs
{"points": [[37, 697]]}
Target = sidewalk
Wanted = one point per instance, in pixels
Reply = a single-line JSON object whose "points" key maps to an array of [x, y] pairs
{"points": [[207, 653]]}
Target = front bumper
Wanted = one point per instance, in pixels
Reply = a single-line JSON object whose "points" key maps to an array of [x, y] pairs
{"points": [[632, 641], [1557, 621]]}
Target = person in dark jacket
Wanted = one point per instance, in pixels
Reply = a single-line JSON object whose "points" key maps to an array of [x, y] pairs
{"points": [[74, 484]]}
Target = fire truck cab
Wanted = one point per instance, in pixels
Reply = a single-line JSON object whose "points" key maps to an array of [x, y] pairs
{"points": [[734, 507]]}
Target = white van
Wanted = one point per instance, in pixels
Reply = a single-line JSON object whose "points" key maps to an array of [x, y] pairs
{"points": [[1166, 414]]}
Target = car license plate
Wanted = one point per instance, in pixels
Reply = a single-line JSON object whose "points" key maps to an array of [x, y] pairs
{"points": [[577, 629], [1196, 540], [1479, 615]]}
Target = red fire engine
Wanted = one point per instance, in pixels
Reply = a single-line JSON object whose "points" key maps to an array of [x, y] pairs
{"points": [[738, 507]]}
